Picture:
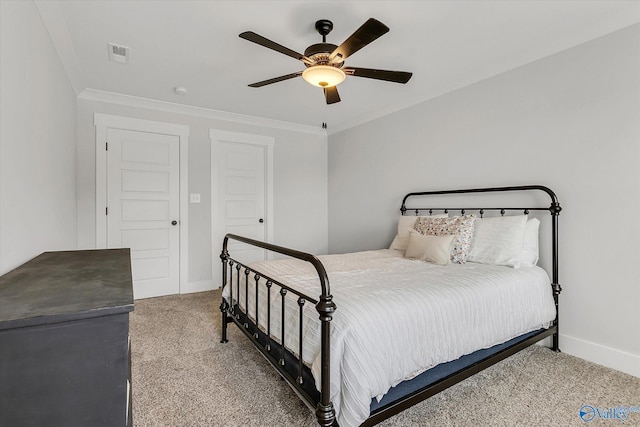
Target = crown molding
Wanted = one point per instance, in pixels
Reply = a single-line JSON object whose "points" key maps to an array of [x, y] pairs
{"points": [[188, 110]]}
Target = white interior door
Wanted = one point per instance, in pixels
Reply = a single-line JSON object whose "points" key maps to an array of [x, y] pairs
{"points": [[241, 196], [241, 188], [143, 202]]}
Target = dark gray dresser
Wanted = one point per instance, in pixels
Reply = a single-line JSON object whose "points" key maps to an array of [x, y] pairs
{"points": [[64, 340]]}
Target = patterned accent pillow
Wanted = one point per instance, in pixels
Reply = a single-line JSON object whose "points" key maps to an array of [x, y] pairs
{"points": [[461, 226], [406, 222]]}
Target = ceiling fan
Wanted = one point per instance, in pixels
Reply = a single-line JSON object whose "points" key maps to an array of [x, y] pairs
{"points": [[324, 61]]}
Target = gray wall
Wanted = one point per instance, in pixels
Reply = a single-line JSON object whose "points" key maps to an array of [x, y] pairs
{"points": [[300, 182], [570, 121], [37, 141]]}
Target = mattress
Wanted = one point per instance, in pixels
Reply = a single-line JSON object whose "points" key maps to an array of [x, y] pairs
{"points": [[396, 317]]}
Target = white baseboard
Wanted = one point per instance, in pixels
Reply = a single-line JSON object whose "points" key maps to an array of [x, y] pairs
{"points": [[199, 286], [600, 354]]}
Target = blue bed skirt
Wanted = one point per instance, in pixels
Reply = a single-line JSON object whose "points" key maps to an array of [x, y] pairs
{"points": [[442, 371]]}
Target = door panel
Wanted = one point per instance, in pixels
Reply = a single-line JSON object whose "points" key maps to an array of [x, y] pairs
{"points": [[157, 182], [241, 209], [146, 152], [143, 210], [241, 185], [240, 192], [143, 189], [139, 240], [242, 195]]}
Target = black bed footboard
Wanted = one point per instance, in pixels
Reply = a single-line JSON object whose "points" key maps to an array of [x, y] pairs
{"points": [[232, 312]]}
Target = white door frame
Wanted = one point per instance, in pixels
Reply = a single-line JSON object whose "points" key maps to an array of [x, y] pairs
{"points": [[268, 142], [104, 121]]}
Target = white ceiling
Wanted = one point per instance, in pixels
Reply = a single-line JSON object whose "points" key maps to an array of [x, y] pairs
{"points": [[195, 44]]}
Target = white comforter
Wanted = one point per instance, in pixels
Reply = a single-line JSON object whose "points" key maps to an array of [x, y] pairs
{"points": [[396, 317]]}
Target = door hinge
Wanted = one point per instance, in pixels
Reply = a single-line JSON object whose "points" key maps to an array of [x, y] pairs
{"points": [[106, 211], [106, 146]]}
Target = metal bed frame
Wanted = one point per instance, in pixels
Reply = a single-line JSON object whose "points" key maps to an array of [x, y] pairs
{"points": [[292, 368]]}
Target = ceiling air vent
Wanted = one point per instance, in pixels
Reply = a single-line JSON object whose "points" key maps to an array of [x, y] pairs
{"points": [[118, 53]]}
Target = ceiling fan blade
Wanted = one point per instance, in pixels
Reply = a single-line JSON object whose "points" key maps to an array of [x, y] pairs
{"points": [[368, 32], [275, 79], [331, 94], [262, 41], [370, 73]]}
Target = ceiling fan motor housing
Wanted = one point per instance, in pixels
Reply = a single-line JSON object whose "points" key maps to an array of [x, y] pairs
{"points": [[319, 54]]}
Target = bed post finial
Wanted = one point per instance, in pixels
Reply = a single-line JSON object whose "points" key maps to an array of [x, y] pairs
{"points": [[224, 305], [325, 412], [326, 415]]}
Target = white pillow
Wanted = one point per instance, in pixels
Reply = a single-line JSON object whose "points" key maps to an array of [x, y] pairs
{"points": [[435, 249], [498, 240], [530, 250], [406, 223]]}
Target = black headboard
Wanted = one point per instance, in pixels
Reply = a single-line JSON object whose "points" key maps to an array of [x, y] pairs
{"points": [[553, 209]]}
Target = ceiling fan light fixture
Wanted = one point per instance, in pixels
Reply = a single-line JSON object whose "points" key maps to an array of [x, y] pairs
{"points": [[323, 75]]}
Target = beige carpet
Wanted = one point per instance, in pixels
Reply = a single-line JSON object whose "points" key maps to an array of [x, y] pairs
{"points": [[183, 376]]}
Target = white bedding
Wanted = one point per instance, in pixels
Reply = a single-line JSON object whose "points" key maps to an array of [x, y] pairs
{"points": [[397, 317]]}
